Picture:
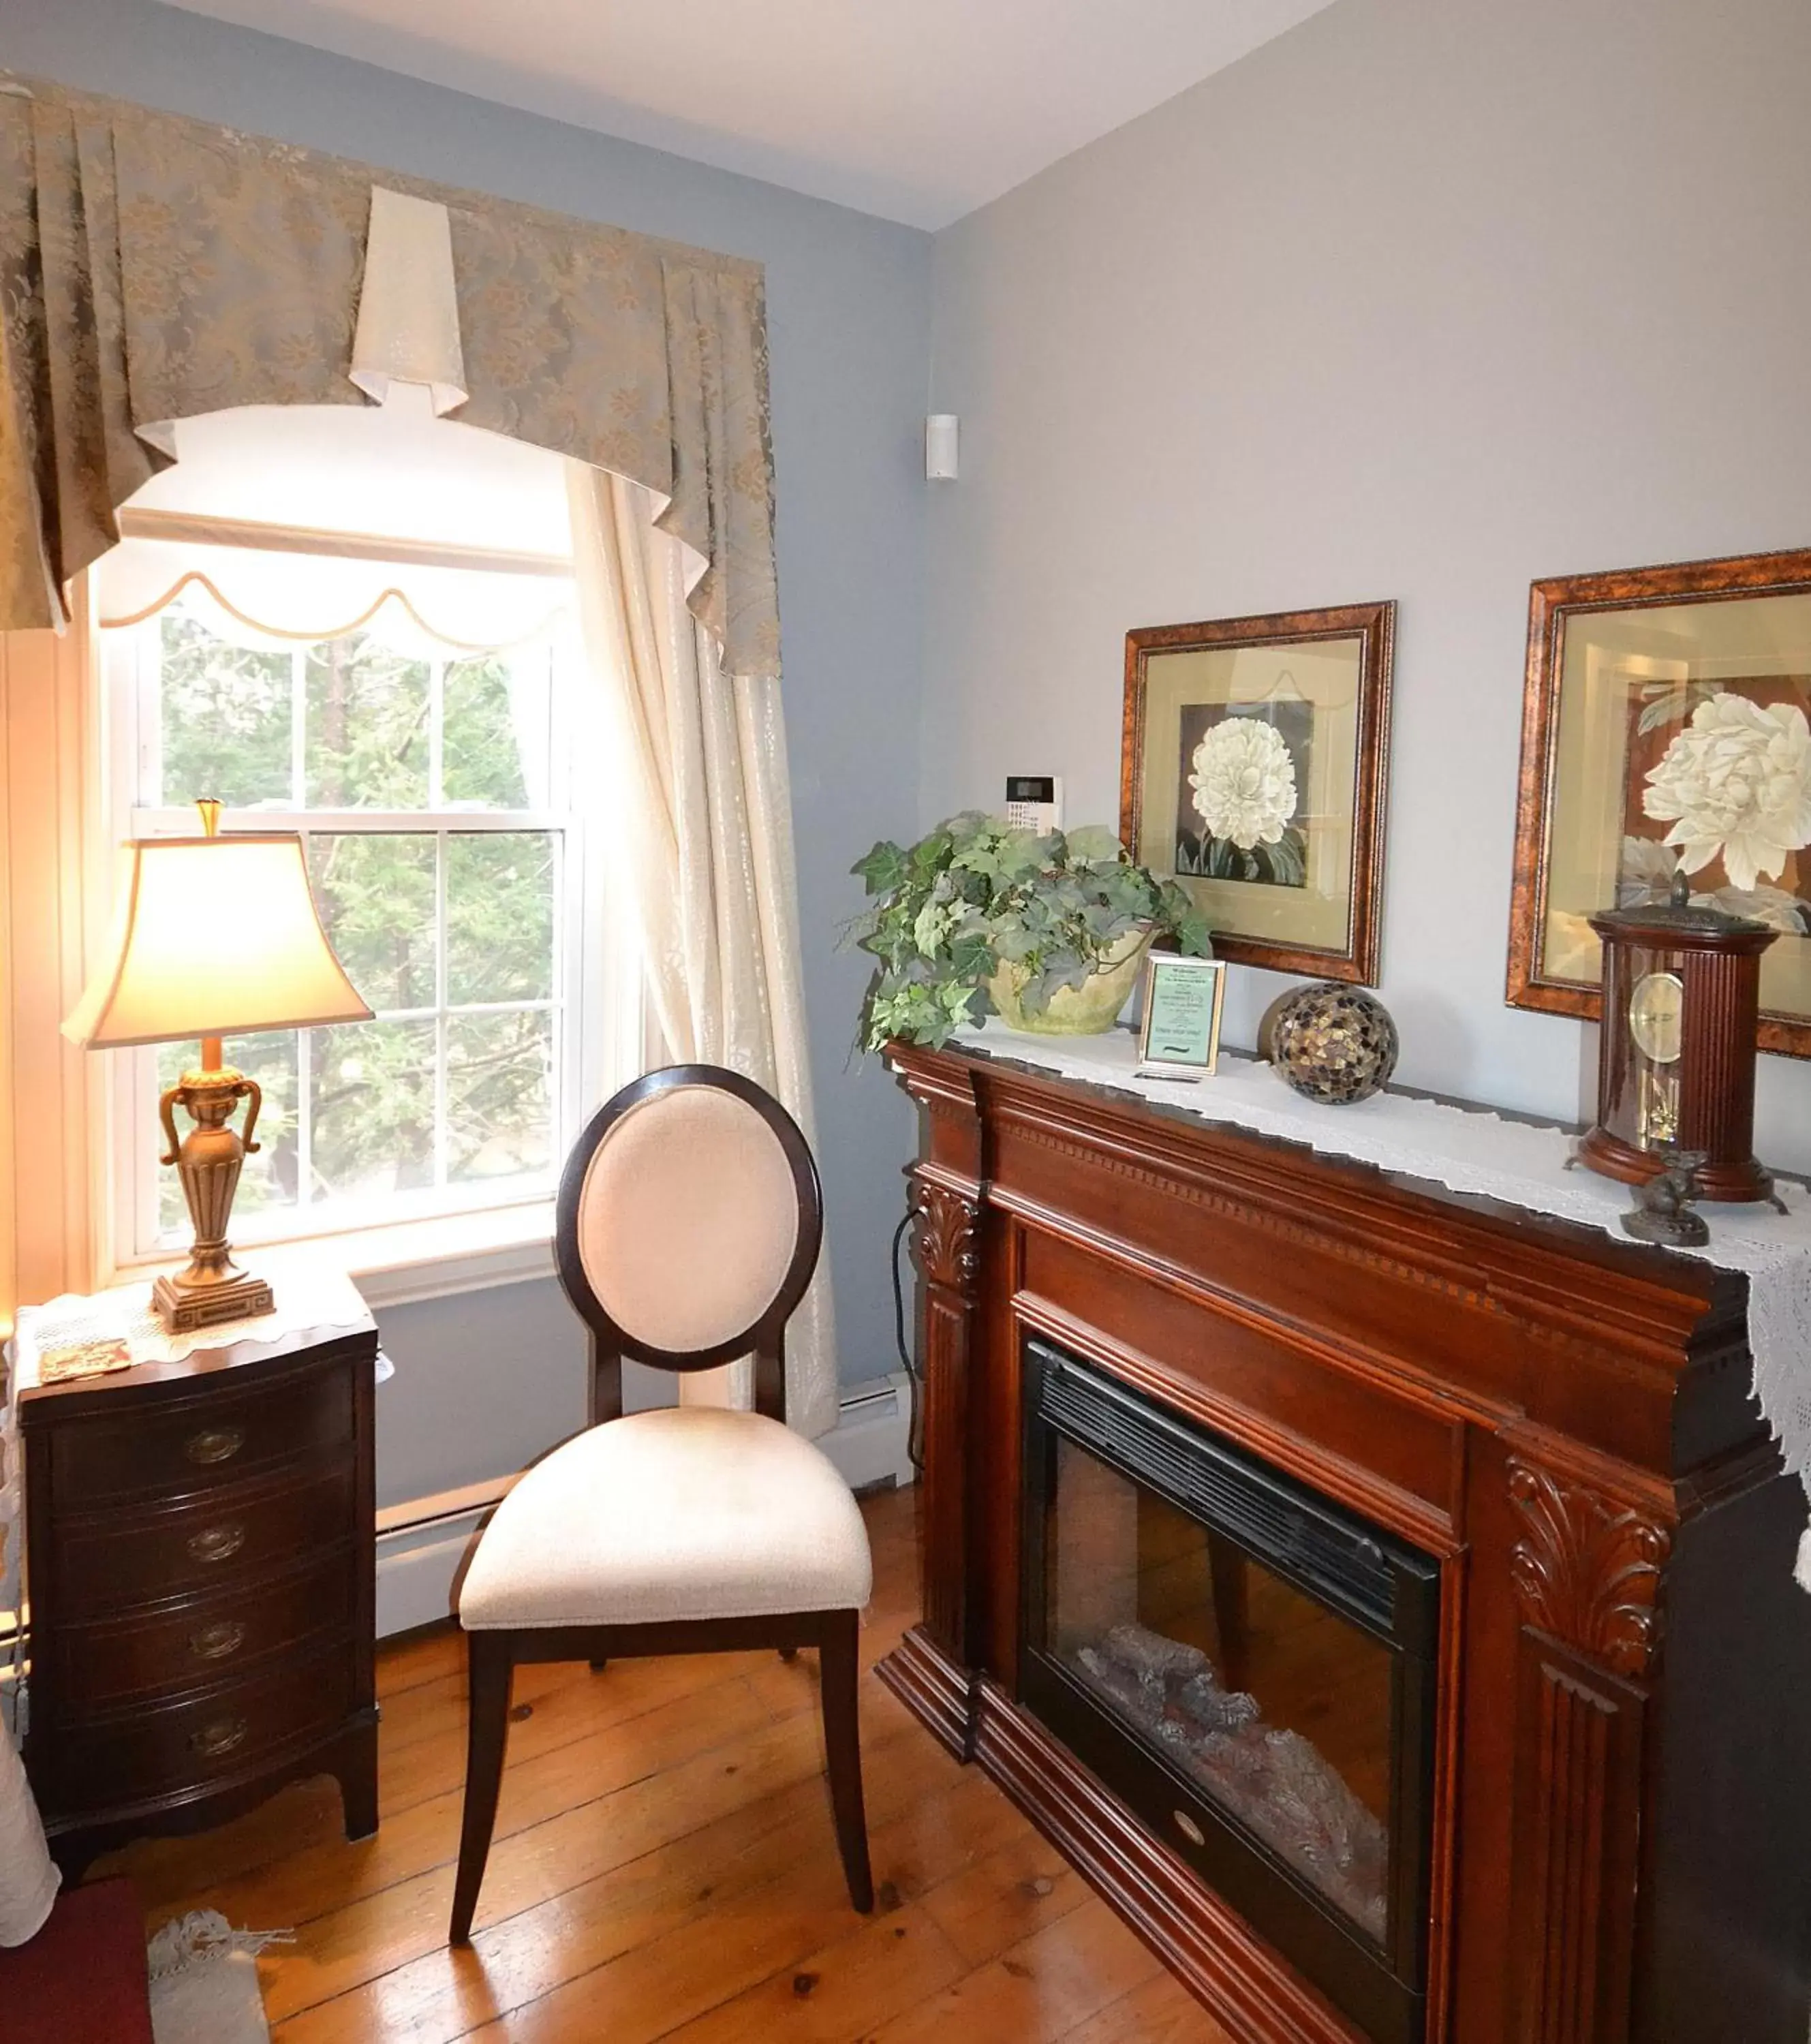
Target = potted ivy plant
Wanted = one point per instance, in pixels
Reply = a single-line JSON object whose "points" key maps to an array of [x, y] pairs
{"points": [[1049, 931]]}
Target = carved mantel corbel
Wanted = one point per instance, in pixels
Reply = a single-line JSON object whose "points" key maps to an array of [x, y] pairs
{"points": [[944, 1235], [1587, 1569], [946, 1246]]}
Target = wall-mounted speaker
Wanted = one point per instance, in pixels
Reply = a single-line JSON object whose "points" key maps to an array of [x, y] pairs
{"points": [[940, 446]]}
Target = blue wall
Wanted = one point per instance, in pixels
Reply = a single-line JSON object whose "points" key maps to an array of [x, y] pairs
{"points": [[487, 1381]]}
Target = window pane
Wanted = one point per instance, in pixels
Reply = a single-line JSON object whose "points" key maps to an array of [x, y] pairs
{"points": [[368, 726], [268, 1179], [500, 915], [494, 731], [371, 1095], [376, 896], [499, 1095], [224, 711]]}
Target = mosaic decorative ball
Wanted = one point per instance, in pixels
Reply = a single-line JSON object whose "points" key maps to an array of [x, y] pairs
{"points": [[1333, 1043]]}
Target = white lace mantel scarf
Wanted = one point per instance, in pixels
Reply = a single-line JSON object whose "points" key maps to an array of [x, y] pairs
{"points": [[1470, 1150]]}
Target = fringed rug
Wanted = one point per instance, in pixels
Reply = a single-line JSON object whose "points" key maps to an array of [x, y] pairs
{"points": [[204, 1981]]}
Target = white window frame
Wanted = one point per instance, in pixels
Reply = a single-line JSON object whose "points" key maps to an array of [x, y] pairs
{"points": [[403, 1246]]}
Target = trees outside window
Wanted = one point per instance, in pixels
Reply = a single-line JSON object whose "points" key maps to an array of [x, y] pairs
{"points": [[432, 790]]}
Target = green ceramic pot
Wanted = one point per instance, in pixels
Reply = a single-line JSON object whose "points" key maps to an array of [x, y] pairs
{"points": [[1088, 1010]]}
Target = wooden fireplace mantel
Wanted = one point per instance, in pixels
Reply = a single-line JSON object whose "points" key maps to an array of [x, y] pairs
{"points": [[1622, 1793]]}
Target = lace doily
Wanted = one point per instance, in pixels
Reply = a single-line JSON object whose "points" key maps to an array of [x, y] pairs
{"points": [[1471, 1150], [306, 1295]]}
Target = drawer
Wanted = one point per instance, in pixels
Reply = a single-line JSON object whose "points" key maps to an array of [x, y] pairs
{"points": [[235, 1730], [206, 1641], [196, 1444], [105, 1569]]}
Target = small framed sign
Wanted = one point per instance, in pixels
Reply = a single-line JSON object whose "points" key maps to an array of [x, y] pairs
{"points": [[1180, 1036]]}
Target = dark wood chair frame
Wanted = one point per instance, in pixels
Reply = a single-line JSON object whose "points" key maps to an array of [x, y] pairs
{"points": [[492, 1655]]}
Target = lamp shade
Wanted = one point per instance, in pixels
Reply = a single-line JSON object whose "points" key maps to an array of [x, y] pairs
{"points": [[215, 936]]}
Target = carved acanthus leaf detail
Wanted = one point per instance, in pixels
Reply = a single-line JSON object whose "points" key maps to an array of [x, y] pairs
{"points": [[946, 1236], [1588, 1570]]}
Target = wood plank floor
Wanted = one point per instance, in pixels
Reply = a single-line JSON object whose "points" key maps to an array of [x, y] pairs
{"points": [[664, 1868]]}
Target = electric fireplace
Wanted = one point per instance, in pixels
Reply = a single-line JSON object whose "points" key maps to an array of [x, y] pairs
{"points": [[1202, 1411], [1248, 1666]]}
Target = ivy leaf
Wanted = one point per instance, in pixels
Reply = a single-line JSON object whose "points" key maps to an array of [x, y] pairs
{"points": [[957, 1001], [981, 859], [1095, 845], [1019, 856], [882, 869], [972, 958]]}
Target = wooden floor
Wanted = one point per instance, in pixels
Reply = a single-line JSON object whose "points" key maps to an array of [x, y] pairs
{"points": [[665, 1867]]}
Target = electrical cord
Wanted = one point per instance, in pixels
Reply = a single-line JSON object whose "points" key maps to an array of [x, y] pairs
{"points": [[909, 1362]]}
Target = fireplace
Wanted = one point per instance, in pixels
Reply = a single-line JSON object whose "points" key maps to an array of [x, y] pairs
{"points": [[1605, 1850], [1248, 1666]]}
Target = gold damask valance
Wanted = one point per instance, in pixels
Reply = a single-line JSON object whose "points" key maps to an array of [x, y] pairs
{"points": [[153, 268]]}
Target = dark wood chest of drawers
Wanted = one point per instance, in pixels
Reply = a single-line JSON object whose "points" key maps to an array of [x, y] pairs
{"points": [[201, 1556]]}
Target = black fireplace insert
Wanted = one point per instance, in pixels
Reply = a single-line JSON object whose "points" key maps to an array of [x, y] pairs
{"points": [[1248, 1666]]}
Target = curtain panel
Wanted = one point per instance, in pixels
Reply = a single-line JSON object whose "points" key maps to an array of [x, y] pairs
{"points": [[153, 268], [700, 764]]}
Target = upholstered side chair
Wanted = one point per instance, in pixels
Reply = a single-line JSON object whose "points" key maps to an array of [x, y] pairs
{"points": [[689, 1223]]}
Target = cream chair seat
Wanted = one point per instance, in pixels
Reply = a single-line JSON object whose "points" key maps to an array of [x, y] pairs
{"points": [[689, 1512], [689, 1223]]}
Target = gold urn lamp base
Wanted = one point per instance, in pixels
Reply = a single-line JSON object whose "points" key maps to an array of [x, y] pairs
{"points": [[212, 1288]]}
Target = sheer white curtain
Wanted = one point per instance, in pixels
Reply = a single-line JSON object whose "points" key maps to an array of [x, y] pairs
{"points": [[706, 828]]}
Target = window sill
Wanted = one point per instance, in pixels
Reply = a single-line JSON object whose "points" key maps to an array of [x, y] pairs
{"points": [[405, 1261]]}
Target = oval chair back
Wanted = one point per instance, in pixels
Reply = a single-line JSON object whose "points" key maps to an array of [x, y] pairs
{"points": [[689, 1223]]}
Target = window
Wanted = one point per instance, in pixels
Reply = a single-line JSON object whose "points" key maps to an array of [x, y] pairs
{"points": [[435, 793]]}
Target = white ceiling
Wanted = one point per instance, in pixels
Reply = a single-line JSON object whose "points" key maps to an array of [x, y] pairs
{"points": [[919, 110]]}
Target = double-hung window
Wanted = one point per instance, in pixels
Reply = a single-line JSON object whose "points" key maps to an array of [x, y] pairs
{"points": [[435, 788]]}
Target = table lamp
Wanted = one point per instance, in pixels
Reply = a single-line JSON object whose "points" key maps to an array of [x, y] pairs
{"points": [[215, 936]]}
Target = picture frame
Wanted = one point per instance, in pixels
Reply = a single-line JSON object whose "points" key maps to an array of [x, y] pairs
{"points": [[1295, 706], [1179, 1036], [1626, 769]]}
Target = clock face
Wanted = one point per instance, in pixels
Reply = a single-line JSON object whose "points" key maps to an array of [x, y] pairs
{"points": [[1656, 1014]]}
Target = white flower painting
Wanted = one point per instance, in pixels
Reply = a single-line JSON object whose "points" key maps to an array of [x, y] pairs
{"points": [[1243, 782], [1239, 815], [1736, 784]]}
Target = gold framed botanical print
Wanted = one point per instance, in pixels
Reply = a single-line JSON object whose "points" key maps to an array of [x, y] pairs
{"points": [[1254, 758], [1665, 742]]}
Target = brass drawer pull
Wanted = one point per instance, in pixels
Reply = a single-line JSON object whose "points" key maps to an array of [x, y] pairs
{"points": [[214, 1444], [217, 1642], [220, 1737], [216, 1543], [1188, 1828]]}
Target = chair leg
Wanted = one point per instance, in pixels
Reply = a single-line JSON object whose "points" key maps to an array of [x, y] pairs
{"points": [[838, 1672], [491, 1662]]}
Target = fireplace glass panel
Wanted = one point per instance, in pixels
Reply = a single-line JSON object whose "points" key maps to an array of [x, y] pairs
{"points": [[1277, 1709]]}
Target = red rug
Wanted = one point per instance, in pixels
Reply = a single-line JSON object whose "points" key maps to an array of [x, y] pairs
{"points": [[82, 1979]]}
